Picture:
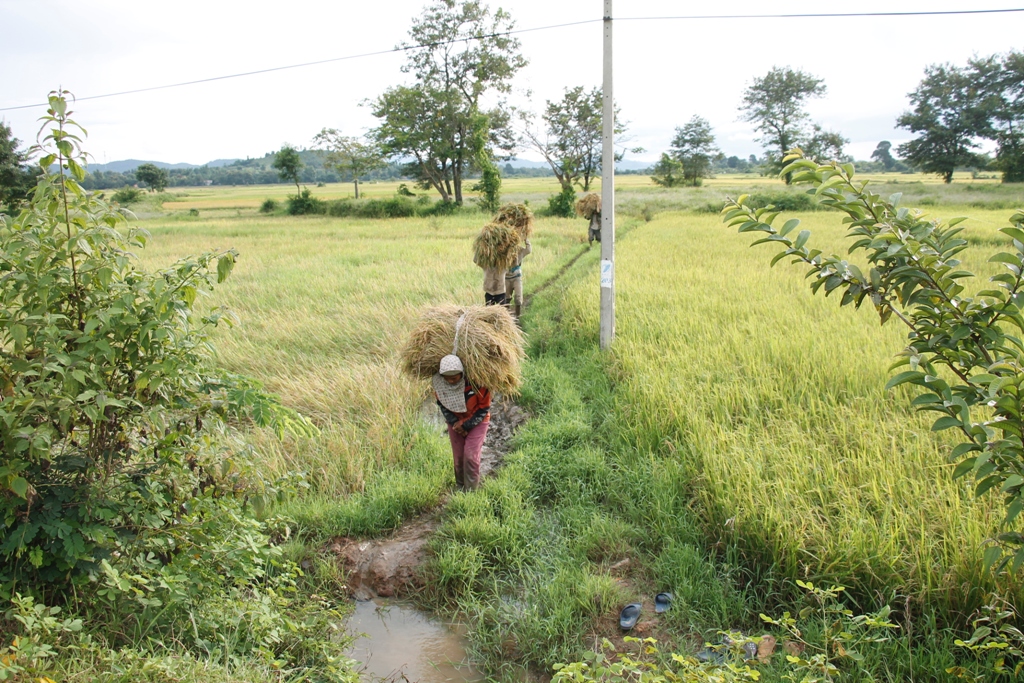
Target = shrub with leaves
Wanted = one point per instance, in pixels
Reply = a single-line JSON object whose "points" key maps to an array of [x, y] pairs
{"points": [[112, 419], [840, 635], [563, 204], [127, 195], [995, 642], [645, 664], [963, 352]]}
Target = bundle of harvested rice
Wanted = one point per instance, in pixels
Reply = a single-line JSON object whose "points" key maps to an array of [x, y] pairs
{"points": [[518, 216], [490, 345], [589, 205], [496, 246]]}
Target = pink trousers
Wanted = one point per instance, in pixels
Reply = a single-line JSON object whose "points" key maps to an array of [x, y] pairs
{"points": [[466, 455]]}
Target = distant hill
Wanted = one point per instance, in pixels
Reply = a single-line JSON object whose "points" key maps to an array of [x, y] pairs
{"points": [[131, 164]]}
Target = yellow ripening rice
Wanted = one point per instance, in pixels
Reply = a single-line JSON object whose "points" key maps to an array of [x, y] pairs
{"points": [[496, 246], [490, 345], [519, 217], [589, 205]]}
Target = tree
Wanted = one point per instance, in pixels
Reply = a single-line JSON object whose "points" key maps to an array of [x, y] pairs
{"points": [[1001, 81], [775, 105], [288, 164], [668, 172], [961, 355], [154, 177], [694, 148], [948, 115], [15, 178], [824, 145], [883, 155], [468, 54], [489, 186], [348, 155], [573, 135]]}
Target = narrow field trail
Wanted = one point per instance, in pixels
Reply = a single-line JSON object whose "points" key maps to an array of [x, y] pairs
{"points": [[387, 567]]}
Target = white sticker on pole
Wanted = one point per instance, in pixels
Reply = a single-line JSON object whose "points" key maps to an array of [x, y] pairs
{"points": [[606, 273]]}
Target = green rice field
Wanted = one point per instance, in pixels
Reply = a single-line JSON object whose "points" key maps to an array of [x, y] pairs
{"points": [[736, 438]]}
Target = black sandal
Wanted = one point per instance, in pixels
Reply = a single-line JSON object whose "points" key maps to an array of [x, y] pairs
{"points": [[629, 615]]}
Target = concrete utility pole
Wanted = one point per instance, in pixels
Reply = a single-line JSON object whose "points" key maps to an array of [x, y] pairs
{"points": [[608, 191]]}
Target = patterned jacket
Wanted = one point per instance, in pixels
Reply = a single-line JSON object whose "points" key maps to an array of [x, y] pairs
{"points": [[478, 409]]}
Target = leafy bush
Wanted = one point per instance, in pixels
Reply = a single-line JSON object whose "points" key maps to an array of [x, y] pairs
{"points": [[489, 187], [127, 195], [442, 208], [268, 206], [120, 476], [404, 191], [563, 204], [305, 203], [782, 201], [109, 408], [395, 207]]}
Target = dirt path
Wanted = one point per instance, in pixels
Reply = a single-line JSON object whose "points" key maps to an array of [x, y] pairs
{"points": [[387, 566]]}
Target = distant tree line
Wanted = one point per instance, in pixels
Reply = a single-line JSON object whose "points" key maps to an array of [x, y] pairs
{"points": [[242, 172], [451, 123]]}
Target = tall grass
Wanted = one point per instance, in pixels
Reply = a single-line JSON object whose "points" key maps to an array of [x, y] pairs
{"points": [[737, 438], [323, 304], [773, 401]]}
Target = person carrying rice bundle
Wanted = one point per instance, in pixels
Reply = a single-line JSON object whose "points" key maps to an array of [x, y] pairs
{"points": [[495, 250], [467, 411], [514, 281], [519, 218], [468, 353], [590, 208]]}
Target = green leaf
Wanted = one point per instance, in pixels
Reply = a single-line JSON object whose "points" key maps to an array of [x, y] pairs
{"points": [[961, 449], [946, 423], [789, 226], [903, 377], [1003, 257], [801, 239], [224, 266], [20, 486], [963, 468], [19, 333], [992, 554], [1015, 233], [984, 485], [1012, 481]]}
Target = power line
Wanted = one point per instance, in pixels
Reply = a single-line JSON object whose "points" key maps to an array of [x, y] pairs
{"points": [[402, 48], [825, 15], [406, 48]]}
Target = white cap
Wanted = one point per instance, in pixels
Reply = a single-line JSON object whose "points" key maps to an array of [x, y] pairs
{"points": [[450, 365]]}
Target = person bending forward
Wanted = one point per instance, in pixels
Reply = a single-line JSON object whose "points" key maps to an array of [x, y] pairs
{"points": [[467, 410]]}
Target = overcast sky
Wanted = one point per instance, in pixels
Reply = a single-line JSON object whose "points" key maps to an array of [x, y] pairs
{"points": [[665, 70]]}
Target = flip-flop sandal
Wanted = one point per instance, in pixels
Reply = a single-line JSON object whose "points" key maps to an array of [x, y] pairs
{"points": [[708, 655], [629, 615], [662, 601]]}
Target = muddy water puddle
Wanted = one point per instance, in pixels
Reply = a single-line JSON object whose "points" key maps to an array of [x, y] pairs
{"points": [[402, 641]]}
